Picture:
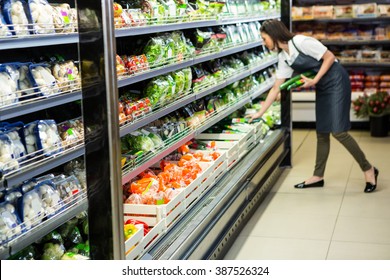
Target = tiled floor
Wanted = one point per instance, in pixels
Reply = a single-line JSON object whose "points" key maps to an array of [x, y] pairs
{"points": [[337, 222]]}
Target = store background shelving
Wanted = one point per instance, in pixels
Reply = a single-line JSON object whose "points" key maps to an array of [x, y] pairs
{"points": [[101, 137], [303, 102]]}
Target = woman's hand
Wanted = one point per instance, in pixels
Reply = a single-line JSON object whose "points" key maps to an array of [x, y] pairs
{"points": [[308, 82], [252, 117]]}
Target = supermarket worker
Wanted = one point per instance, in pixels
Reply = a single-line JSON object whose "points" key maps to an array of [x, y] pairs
{"points": [[298, 54]]}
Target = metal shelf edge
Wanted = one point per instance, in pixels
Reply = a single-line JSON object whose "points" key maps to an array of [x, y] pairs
{"points": [[18, 110], [158, 114], [40, 231], [37, 169], [38, 41]]}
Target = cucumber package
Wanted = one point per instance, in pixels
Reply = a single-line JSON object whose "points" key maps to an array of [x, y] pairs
{"points": [[296, 81]]}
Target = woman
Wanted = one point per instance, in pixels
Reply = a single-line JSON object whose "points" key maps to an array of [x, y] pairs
{"points": [[333, 95]]}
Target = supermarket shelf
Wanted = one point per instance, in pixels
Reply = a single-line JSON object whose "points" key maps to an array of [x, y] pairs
{"points": [[126, 129], [133, 31], [37, 168], [366, 64], [346, 20], [170, 68], [197, 233], [41, 230], [153, 73], [16, 110], [38, 41], [355, 42], [127, 176], [227, 52], [156, 115], [247, 19]]}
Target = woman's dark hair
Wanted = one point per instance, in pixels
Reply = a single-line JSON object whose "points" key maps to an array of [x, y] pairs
{"points": [[276, 30]]}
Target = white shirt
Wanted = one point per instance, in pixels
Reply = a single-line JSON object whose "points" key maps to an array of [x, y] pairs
{"points": [[308, 45]]}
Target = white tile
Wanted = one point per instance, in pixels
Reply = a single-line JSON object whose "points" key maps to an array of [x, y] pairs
{"points": [[309, 227], [303, 202], [367, 230], [358, 251], [260, 248]]}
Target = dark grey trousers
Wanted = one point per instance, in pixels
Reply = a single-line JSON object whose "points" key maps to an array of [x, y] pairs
{"points": [[323, 148]]}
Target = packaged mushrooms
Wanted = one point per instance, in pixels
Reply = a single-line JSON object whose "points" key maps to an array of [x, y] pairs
{"points": [[42, 16], [10, 225], [44, 79], [8, 88], [7, 160], [67, 75], [31, 209], [17, 15]]}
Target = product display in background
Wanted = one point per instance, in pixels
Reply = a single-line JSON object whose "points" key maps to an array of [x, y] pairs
{"points": [[21, 18]]}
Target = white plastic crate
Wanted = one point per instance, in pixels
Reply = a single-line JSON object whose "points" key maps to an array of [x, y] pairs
{"points": [[153, 214], [218, 170], [193, 190], [247, 146], [153, 235], [132, 247], [231, 148]]}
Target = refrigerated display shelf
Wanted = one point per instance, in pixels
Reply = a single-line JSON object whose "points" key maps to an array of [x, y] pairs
{"points": [[196, 234], [38, 41], [346, 20], [131, 172], [143, 30], [196, 60], [36, 233], [36, 168], [344, 42], [154, 115], [19, 109]]}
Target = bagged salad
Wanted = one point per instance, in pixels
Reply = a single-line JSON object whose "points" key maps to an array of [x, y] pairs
{"points": [[154, 50]]}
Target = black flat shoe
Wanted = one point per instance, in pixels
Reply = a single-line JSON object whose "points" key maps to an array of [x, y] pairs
{"points": [[302, 185], [370, 187]]}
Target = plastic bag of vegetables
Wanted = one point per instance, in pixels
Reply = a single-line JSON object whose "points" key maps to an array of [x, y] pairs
{"points": [[154, 51], [187, 79], [42, 16], [179, 78], [8, 88], [17, 15], [4, 31], [140, 142], [10, 224], [156, 90]]}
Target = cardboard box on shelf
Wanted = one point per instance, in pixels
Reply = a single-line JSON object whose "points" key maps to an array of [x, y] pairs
{"points": [[343, 11], [302, 13], [365, 10], [323, 12]]}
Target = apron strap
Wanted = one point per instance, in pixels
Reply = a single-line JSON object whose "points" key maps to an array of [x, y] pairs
{"points": [[292, 40]]}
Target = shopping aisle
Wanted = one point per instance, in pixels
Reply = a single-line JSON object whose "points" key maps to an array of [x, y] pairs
{"points": [[337, 222]]}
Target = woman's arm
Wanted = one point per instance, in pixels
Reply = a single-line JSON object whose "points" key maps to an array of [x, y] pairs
{"points": [[328, 60], [272, 95]]}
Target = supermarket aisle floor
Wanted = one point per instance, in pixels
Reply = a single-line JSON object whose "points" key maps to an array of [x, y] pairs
{"points": [[337, 222]]}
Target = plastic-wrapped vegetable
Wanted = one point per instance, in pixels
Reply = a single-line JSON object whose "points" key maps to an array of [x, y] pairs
{"points": [[4, 31], [154, 50], [53, 251], [31, 209], [48, 138], [141, 143], [157, 90], [62, 18], [51, 200], [17, 14], [68, 187], [44, 79], [187, 79], [28, 253], [67, 75], [179, 78], [42, 16], [171, 88], [7, 161], [73, 256], [10, 225], [8, 87], [14, 131]]}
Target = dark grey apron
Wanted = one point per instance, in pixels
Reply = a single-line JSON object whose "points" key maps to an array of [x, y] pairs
{"points": [[333, 94]]}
